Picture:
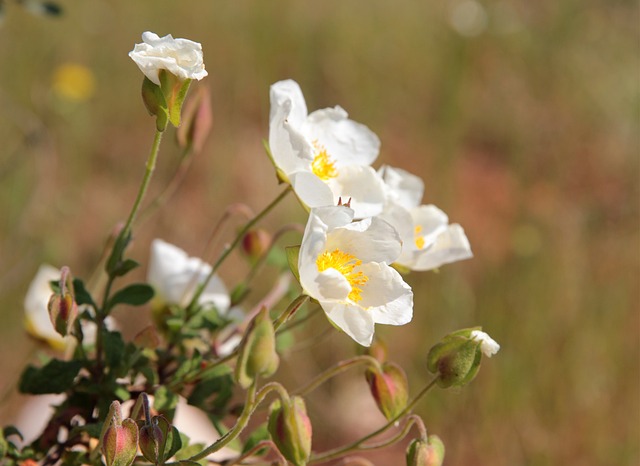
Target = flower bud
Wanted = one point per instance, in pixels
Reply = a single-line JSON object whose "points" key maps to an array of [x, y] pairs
{"points": [[258, 356], [457, 358], [120, 440], [62, 306], [255, 243], [153, 439], [428, 452], [378, 349], [290, 429], [389, 388], [197, 121]]}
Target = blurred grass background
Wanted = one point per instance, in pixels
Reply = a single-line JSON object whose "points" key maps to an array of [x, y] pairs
{"points": [[521, 117]]}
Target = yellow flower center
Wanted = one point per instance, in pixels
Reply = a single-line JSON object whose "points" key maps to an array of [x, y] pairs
{"points": [[419, 240], [344, 263], [323, 165]]}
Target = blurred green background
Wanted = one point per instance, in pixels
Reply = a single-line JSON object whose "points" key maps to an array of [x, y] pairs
{"points": [[521, 117]]}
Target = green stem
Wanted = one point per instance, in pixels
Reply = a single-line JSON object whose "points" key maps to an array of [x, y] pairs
{"points": [[290, 311], [337, 452], [342, 366], [150, 167], [231, 247]]}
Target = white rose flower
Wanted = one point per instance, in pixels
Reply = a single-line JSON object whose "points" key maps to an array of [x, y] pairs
{"points": [[175, 276], [180, 57], [344, 266], [324, 155], [429, 241], [488, 345]]}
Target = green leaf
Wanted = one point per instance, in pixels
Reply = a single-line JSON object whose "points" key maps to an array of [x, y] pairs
{"points": [[165, 401], [125, 267], [121, 243], [135, 295], [292, 257], [55, 377], [81, 294], [113, 348]]}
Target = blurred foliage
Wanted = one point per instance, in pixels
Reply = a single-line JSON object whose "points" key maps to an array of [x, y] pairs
{"points": [[522, 117]]}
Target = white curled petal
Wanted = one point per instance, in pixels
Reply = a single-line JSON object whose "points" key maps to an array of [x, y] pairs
{"points": [[354, 321], [331, 284], [363, 186], [290, 150], [431, 220], [311, 190], [346, 141], [488, 345], [402, 187], [450, 246], [181, 57], [288, 93], [370, 240], [386, 295]]}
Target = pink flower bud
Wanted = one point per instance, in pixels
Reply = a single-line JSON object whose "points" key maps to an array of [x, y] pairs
{"points": [[197, 121], [389, 388], [153, 439], [62, 307], [428, 452], [120, 443], [255, 243], [290, 429]]}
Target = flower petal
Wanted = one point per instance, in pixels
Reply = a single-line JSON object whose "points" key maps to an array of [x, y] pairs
{"points": [[363, 186], [331, 284], [450, 246], [351, 319], [369, 240], [386, 295], [402, 187], [346, 141], [311, 190]]}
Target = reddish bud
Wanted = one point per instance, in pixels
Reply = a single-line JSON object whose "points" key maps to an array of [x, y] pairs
{"points": [[120, 442], [389, 388], [256, 243], [153, 439], [62, 306], [290, 429], [197, 120]]}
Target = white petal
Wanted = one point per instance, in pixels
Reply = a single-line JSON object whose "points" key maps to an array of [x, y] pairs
{"points": [[450, 246], [311, 190], [363, 186], [432, 220], [400, 219], [354, 321], [37, 320], [369, 240], [332, 285], [334, 216], [386, 295], [488, 345], [403, 188], [288, 93], [290, 150], [346, 142]]}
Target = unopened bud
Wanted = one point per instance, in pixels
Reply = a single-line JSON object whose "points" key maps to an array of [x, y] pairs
{"points": [[428, 452], [290, 429], [256, 243], [456, 359], [389, 388], [377, 350], [120, 440], [62, 306], [258, 356], [153, 439], [197, 121]]}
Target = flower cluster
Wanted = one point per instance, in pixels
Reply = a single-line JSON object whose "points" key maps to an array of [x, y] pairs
{"points": [[326, 158], [365, 227]]}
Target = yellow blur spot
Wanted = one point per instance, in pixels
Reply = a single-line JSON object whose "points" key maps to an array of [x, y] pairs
{"points": [[75, 82], [419, 240], [344, 263]]}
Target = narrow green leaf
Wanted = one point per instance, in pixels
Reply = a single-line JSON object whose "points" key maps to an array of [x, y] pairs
{"points": [[116, 254]]}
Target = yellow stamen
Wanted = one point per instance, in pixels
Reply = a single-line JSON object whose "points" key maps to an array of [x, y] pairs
{"points": [[323, 165], [419, 240], [344, 263]]}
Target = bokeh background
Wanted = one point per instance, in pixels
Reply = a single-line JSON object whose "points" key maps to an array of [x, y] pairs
{"points": [[522, 118]]}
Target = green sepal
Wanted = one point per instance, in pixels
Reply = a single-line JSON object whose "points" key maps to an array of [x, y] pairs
{"points": [[155, 102], [174, 91], [293, 253]]}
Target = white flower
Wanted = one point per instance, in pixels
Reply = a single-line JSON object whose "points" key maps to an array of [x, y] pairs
{"points": [[344, 266], [428, 239], [180, 57], [488, 345], [175, 276], [323, 155], [36, 313]]}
